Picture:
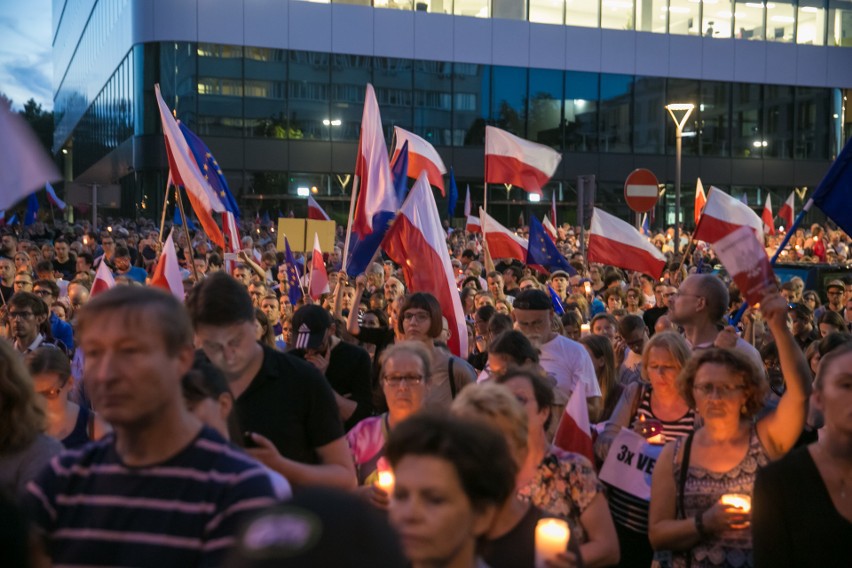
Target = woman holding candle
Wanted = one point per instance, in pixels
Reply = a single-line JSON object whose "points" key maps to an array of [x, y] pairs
{"points": [[687, 512], [404, 380]]}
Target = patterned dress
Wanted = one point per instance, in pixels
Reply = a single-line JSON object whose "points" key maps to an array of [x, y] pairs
{"points": [[563, 486]]}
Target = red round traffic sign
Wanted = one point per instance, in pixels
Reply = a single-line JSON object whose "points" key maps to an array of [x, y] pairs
{"points": [[641, 190]]}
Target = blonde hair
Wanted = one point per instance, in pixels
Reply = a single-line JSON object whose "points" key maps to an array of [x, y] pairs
{"points": [[22, 417], [672, 342], [496, 405]]}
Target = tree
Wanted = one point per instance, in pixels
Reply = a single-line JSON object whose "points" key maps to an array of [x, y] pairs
{"points": [[40, 121]]}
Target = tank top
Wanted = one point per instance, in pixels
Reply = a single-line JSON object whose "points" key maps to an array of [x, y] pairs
{"points": [[702, 489], [81, 434], [627, 510]]}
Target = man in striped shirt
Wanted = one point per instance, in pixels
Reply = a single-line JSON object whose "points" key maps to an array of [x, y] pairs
{"points": [[162, 489]]}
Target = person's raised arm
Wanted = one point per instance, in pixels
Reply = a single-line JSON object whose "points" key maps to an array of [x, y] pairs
{"points": [[248, 261], [352, 325], [335, 470], [780, 429]]}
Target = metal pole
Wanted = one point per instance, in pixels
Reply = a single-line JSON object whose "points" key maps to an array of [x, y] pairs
{"points": [[190, 260], [678, 144]]}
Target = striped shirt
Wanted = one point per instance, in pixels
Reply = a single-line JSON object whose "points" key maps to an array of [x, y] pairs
{"points": [[627, 510], [96, 511]]}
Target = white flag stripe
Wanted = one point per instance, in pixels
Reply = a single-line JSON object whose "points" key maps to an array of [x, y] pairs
{"points": [[501, 143]]}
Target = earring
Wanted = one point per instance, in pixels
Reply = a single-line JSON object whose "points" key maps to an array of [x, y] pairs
{"points": [[743, 409]]}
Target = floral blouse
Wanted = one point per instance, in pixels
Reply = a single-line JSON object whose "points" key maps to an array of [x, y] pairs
{"points": [[563, 486]]}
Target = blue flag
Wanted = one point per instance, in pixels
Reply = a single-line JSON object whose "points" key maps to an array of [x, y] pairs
{"points": [[554, 299], [834, 193], [32, 210], [399, 172], [13, 220], [361, 250], [178, 220], [265, 220], [646, 226], [294, 290], [542, 250], [452, 196], [211, 170]]}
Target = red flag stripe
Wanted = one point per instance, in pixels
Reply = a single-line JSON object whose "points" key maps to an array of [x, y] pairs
{"points": [[506, 169]]}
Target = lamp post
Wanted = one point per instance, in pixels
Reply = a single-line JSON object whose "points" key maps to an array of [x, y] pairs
{"points": [[686, 109]]}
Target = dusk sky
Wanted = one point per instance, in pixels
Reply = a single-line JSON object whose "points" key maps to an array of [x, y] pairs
{"points": [[26, 66]]}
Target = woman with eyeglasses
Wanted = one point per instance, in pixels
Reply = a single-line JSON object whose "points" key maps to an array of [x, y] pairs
{"points": [[68, 422], [404, 381], [691, 514]]}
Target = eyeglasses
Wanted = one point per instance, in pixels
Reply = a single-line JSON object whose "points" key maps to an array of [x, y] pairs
{"points": [[679, 294], [834, 293], [724, 390], [41, 292], [396, 381], [23, 283], [419, 317], [21, 315]]}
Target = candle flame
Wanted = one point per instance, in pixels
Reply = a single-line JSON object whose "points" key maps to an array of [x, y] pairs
{"points": [[742, 502]]}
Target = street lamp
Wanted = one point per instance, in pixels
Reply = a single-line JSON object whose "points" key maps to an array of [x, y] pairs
{"points": [[686, 109]]}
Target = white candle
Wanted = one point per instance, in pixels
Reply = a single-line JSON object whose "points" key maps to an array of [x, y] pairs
{"points": [[385, 481], [551, 539], [658, 439], [738, 500]]}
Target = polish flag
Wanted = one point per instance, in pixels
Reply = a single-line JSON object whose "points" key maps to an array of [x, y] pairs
{"points": [[53, 198], [103, 279], [373, 179], [509, 159], [417, 242], [617, 243], [185, 172], [315, 211], [723, 215], [700, 200], [467, 204], [167, 273], [473, 224], [767, 217], [551, 230], [502, 243], [319, 276], [574, 433], [787, 211], [422, 157]]}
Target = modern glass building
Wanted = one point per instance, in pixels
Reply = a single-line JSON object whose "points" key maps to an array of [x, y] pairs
{"points": [[276, 89]]}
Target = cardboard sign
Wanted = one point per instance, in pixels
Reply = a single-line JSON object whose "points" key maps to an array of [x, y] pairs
{"points": [[630, 463], [745, 260]]}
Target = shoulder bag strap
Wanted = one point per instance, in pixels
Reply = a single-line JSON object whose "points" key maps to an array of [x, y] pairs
{"points": [[681, 482]]}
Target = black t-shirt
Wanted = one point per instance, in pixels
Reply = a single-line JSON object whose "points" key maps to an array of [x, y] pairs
{"points": [[516, 548], [67, 268], [291, 403], [651, 316]]}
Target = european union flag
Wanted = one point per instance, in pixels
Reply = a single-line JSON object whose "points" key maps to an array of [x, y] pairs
{"points": [[294, 289], [399, 173], [554, 299], [32, 210], [542, 250], [834, 193], [211, 170], [452, 196]]}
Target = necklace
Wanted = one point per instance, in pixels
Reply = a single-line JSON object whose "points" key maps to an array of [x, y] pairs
{"points": [[829, 461]]}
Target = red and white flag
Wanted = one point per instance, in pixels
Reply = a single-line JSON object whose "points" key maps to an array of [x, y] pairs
{"points": [[767, 217], [103, 279], [746, 261], [417, 242], [502, 243], [574, 433], [422, 157], [315, 211], [509, 159], [24, 164], [550, 229], [553, 210], [319, 276], [617, 243], [373, 180], [185, 172], [700, 200], [467, 204], [723, 215], [167, 272], [473, 224], [787, 211]]}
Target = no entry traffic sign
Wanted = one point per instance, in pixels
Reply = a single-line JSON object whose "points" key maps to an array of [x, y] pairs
{"points": [[641, 190]]}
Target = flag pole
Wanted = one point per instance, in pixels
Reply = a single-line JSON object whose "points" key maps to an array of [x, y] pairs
{"points": [[356, 185], [485, 197], [163, 218], [186, 232]]}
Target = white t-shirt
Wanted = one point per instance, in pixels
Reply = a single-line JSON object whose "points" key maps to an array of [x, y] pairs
{"points": [[569, 363]]}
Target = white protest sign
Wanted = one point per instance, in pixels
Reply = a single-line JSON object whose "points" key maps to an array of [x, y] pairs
{"points": [[630, 463], [746, 261]]}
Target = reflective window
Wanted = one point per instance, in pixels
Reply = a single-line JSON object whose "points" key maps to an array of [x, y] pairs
{"points": [[811, 25], [683, 91], [395, 4], [649, 115], [617, 14], [265, 88], [433, 101], [778, 121], [508, 98], [748, 19], [813, 107], [749, 140], [780, 20], [652, 15], [840, 22], [581, 106], [509, 9], [349, 77], [715, 118], [544, 113], [718, 19], [547, 11], [308, 95], [582, 13], [471, 98], [475, 8], [615, 116], [684, 18], [394, 81], [220, 89]]}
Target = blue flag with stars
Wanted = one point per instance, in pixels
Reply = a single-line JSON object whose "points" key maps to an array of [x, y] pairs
{"points": [[833, 193], [554, 299], [542, 250], [211, 170], [294, 290]]}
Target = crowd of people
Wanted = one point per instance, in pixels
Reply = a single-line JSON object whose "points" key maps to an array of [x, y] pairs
{"points": [[237, 428]]}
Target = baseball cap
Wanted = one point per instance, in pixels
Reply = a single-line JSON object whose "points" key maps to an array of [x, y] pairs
{"points": [[562, 273], [310, 323], [532, 299], [835, 284]]}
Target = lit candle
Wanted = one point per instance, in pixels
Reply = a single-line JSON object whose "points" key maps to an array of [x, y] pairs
{"points": [[657, 439], [551, 539], [585, 329], [738, 500], [385, 481]]}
